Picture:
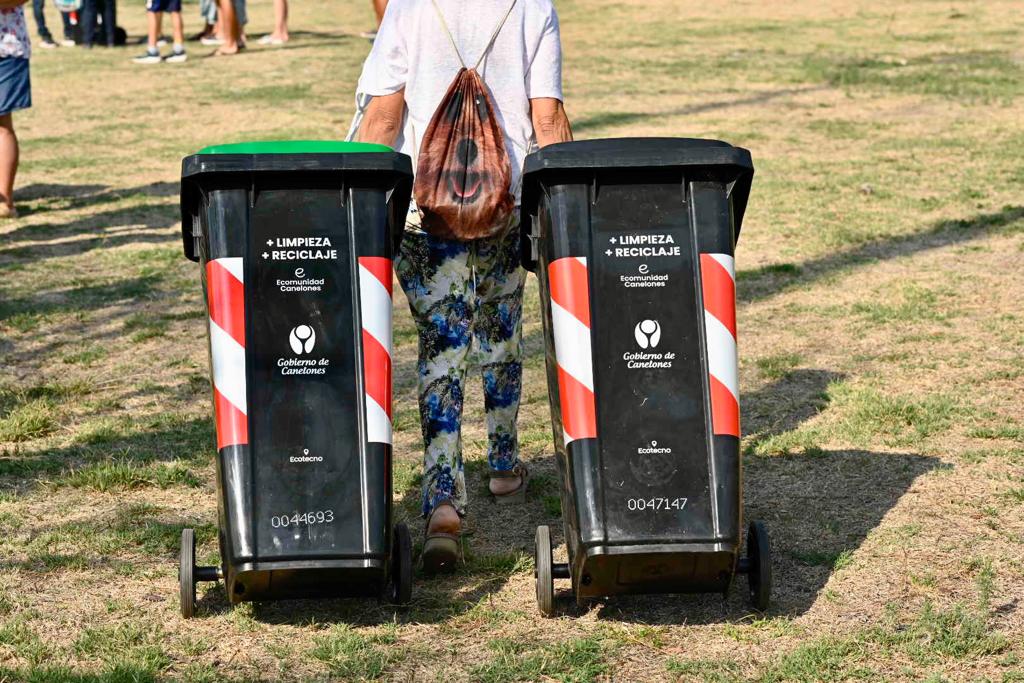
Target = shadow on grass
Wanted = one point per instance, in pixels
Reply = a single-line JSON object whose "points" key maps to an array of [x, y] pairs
{"points": [[786, 403], [755, 285], [82, 298], [436, 599], [148, 216], [818, 508], [84, 195], [158, 440], [622, 118]]}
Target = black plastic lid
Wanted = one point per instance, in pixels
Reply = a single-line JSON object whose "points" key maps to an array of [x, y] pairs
{"points": [[203, 163], [711, 158], [212, 166]]}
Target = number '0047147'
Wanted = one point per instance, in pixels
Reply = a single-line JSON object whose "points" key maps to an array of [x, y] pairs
{"points": [[655, 504]]}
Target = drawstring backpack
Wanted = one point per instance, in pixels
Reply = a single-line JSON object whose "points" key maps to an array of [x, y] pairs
{"points": [[463, 174]]}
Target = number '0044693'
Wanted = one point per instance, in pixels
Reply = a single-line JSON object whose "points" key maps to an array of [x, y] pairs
{"points": [[302, 519]]}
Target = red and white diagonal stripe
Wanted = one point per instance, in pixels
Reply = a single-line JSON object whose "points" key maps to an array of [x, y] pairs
{"points": [[570, 319], [375, 312], [225, 296], [718, 285]]}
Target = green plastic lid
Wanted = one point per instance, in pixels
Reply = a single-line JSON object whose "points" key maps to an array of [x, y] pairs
{"points": [[295, 147]]}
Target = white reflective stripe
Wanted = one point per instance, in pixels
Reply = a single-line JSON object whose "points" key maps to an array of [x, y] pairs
{"points": [[378, 426], [375, 308], [722, 354], [566, 437], [572, 346], [581, 259], [728, 262], [228, 366], [233, 265]]}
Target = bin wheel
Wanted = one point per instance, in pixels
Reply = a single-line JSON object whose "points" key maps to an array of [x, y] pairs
{"points": [[759, 557], [401, 565], [186, 573], [545, 581]]}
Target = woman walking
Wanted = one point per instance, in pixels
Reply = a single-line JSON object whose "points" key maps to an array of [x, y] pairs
{"points": [[463, 292]]}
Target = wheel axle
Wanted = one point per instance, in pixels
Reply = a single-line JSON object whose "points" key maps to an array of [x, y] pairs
{"points": [[208, 574]]}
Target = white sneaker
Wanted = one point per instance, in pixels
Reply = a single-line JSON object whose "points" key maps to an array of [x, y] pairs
{"points": [[176, 57], [67, 42], [150, 57], [211, 41]]}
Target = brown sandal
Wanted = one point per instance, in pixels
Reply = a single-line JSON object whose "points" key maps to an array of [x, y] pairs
{"points": [[440, 548], [516, 495]]}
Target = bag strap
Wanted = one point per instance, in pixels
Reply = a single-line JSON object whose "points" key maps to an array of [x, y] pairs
{"points": [[490, 43]]}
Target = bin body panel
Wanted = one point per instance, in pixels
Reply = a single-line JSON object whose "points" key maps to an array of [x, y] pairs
{"points": [[649, 371], [306, 442], [651, 491], [297, 270]]}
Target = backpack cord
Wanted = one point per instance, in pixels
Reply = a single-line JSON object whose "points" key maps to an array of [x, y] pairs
{"points": [[490, 43]]}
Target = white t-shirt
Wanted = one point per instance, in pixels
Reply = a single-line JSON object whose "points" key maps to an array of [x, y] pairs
{"points": [[412, 51]]}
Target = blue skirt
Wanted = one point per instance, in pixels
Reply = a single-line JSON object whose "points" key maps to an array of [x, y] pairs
{"points": [[15, 86]]}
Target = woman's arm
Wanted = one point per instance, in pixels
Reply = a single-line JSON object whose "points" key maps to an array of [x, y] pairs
{"points": [[550, 124], [383, 119]]}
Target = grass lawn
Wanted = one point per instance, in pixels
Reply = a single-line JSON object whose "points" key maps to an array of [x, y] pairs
{"points": [[881, 341]]}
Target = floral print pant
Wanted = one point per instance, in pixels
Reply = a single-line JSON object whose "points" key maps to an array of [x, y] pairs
{"points": [[459, 291]]}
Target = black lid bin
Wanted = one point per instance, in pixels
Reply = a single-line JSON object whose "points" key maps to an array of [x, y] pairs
{"points": [[633, 241], [295, 240]]}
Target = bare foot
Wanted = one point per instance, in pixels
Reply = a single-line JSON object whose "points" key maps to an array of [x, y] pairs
{"points": [[444, 520], [226, 50], [8, 211]]}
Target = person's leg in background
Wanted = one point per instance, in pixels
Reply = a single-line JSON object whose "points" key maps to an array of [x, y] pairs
{"points": [[208, 15], [498, 328], [88, 20], [435, 276], [45, 37], [9, 153], [178, 54], [242, 16], [155, 16], [109, 20], [15, 94], [69, 29], [229, 31], [280, 32]]}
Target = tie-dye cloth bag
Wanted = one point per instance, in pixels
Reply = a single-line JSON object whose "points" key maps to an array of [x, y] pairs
{"points": [[463, 174]]}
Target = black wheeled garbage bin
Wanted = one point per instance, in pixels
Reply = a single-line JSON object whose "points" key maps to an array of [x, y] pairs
{"points": [[295, 240], [633, 241]]}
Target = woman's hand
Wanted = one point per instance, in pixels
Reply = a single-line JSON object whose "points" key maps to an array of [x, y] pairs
{"points": [[383, 119], [550, 124]]}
